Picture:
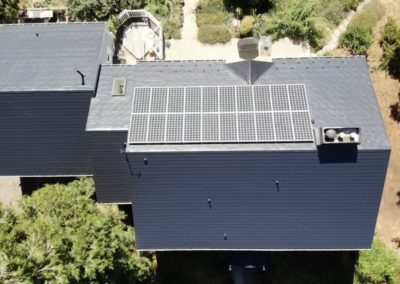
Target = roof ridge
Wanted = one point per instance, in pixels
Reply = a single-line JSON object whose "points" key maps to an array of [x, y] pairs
{"points": [[49, 24], [318, 57]]}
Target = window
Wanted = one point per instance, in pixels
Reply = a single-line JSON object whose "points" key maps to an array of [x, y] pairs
{"points": [[119, 87]]}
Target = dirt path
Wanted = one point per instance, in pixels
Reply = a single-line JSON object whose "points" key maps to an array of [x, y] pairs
{"points": [[334, 40], [10, 190], [189, 29]]}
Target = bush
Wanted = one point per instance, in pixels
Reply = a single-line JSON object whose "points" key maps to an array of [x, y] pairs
{"points": [[359, 34], [377, 266], [212, 18], [212, 12], [350, 4], [298, 21], [395, 115], [59, 235], [246, 26], [172, 28], [357, 39], [390, 42], [212, 34]]}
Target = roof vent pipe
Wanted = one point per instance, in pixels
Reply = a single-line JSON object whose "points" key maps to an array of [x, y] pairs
{"points": [[82, 76]]}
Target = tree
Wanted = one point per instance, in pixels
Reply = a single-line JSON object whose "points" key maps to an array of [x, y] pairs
{"points": [[8, 11], [246, 26], [59, 235], [390, 43], [377, 266], [91, 10]]}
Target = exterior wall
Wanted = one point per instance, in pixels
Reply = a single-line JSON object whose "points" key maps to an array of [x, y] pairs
{"points": [[322, 202], [107, 49], [112, 175], [44, 134]]}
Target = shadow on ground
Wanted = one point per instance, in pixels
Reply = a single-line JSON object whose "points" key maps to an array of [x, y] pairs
{"points": [[285, 268], [248, 54], [30, 184]]}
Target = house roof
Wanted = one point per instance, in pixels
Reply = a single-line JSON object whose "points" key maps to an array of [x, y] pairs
{"points": [[47, 56], [339, 91]]}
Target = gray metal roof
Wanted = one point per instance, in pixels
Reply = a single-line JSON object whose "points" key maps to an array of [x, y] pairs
{"points": [[339, 91], [46, 56]]}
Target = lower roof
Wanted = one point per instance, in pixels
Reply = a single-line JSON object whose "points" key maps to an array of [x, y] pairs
{"points": [[339, 90]]}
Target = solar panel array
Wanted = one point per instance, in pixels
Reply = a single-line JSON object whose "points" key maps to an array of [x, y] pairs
{"points": [[225, 114]]}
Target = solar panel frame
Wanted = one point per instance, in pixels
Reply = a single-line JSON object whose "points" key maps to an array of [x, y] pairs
{"points": [[220, 114]]}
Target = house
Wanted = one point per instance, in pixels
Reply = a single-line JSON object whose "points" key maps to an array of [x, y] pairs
{"points": [[283, 155]]}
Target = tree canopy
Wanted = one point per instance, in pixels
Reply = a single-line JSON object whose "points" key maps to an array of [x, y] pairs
{"points": [[59, 235], [101, 10], [8, 11], [377, 266]]}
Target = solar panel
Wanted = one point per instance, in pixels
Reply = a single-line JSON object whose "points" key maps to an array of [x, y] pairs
{"points": [[225, 114]]}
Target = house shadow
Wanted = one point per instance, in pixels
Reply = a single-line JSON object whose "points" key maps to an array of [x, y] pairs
{"points": [[30, 184], [283, 268]]}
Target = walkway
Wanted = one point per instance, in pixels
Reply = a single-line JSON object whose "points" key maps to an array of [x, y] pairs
{"points": [[334, 41], [189, 29], [189, 48]]}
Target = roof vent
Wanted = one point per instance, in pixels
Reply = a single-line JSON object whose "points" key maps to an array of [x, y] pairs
{"points": [[119, 87], [340, 135]]}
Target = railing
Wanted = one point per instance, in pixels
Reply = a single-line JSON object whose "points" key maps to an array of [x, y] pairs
{"points": [[153, 23]]}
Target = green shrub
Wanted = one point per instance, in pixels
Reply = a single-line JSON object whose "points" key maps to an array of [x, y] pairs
{"points": [[172, 28], [212, 5], [212, 34], [350, 4], [212, 12], [332, 10], [390, 42], [299, 21], [246, 26], [212, 18], [377, 266], [359, 34], [357, 39]]}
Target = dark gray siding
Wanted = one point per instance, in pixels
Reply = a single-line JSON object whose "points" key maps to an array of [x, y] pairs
{"points": [[112, 175], [44, 134], [329, 205]]}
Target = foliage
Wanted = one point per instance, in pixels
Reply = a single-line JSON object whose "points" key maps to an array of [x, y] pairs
{"points": [[172, 28], [395, 115], [390, 43], [357, 39], [246, 26], [350, 4], [215, 18], [169, 13], [8, 11], [377, 266], [212, 34], [250, 6], [89, 10], [298, 21], [212, 17], [112, 24], [212, 12], [359, 34], [59, 235]]}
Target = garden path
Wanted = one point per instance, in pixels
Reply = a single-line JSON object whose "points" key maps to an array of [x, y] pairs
{"points": [[189, 29], [334, 40]]}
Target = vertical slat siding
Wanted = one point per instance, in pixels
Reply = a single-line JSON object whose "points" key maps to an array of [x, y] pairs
{"points": [[318, 206], [44, 134], [112, 176]]}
